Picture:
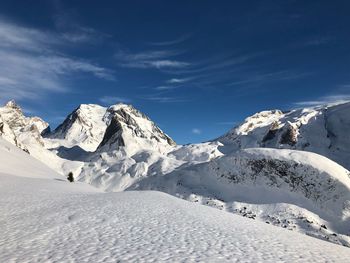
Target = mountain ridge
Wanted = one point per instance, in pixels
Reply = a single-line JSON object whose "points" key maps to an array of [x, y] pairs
{"points": [[321, 129], [118, 148]]}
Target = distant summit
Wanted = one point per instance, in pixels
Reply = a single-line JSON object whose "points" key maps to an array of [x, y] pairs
{"points": [[92, 126], [322, 129]]}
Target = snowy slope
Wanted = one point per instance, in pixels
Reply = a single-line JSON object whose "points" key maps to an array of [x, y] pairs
{"points": [[27, 134], [91, 126], [15, 161], [84, 127], [47, 219], [132, 131], [117, 170], [44, 220], [296, 190], [119, 148], [323, 130]]}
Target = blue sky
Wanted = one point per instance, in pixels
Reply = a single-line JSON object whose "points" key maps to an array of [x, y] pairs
{"points": [[195, 67]]}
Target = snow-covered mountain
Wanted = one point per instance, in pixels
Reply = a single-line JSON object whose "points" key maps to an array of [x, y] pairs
{"points": [[297, 190], [119, 126], [132, 131], [119, 148], [44, 218], [323, 130], [20, 130], [84, 127]]}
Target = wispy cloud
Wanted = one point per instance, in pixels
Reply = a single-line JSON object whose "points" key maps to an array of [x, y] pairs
{"points": [[325, 100], [311, 42], [162, 99], [166, 63], [217, 63], [178, 80], [110, 100], [15, 37], [196, 131], [31, 63], [66, 23], [270, 76], [165, 88], [171, 42], [317, 41], [159, 59], [344, 86]]}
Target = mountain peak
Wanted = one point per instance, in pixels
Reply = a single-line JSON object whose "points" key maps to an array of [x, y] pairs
{"points": [[133, 130], [83, 127], [92, 127], [12, 104], [321, 129]]}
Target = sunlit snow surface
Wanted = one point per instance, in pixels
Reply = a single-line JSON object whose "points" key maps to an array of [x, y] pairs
{"points": [[299, 191], [44, 218]]}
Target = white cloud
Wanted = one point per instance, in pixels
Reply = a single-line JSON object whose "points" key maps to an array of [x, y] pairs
{"points": [[344, 86], [159, 59], [168, 64], [16, 37], [163, 99], [165, 88], [31, 63], [196, 131], [178, 80], [271, 76], [317, 41], [111, 100], [172, 42], [72, 31], [325, 100]]}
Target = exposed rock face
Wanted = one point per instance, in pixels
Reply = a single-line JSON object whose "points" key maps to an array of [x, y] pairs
{"points": [[271, 134], [290, 135], [131, 129], [113, 134]]}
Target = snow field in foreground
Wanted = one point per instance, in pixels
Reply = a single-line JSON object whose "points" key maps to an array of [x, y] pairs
{"points": [[46, 220]]}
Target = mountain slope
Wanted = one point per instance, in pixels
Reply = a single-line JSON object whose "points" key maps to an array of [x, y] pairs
{"points": [[54, 221], [132, 131], [309, 192], [323, 130], [15, 161], [119, 148], [92, 127], [21, 130], [84, 127]]}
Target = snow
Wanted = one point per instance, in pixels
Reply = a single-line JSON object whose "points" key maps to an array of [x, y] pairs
{"points": [[197, 153], [133, 131], [15, 161], [45, 220], [315, 189], [322, 129], [84, 127], [119, 148]]}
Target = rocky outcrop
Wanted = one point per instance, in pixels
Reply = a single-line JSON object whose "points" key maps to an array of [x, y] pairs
{"points": [[132, 130], [19, 129]]}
